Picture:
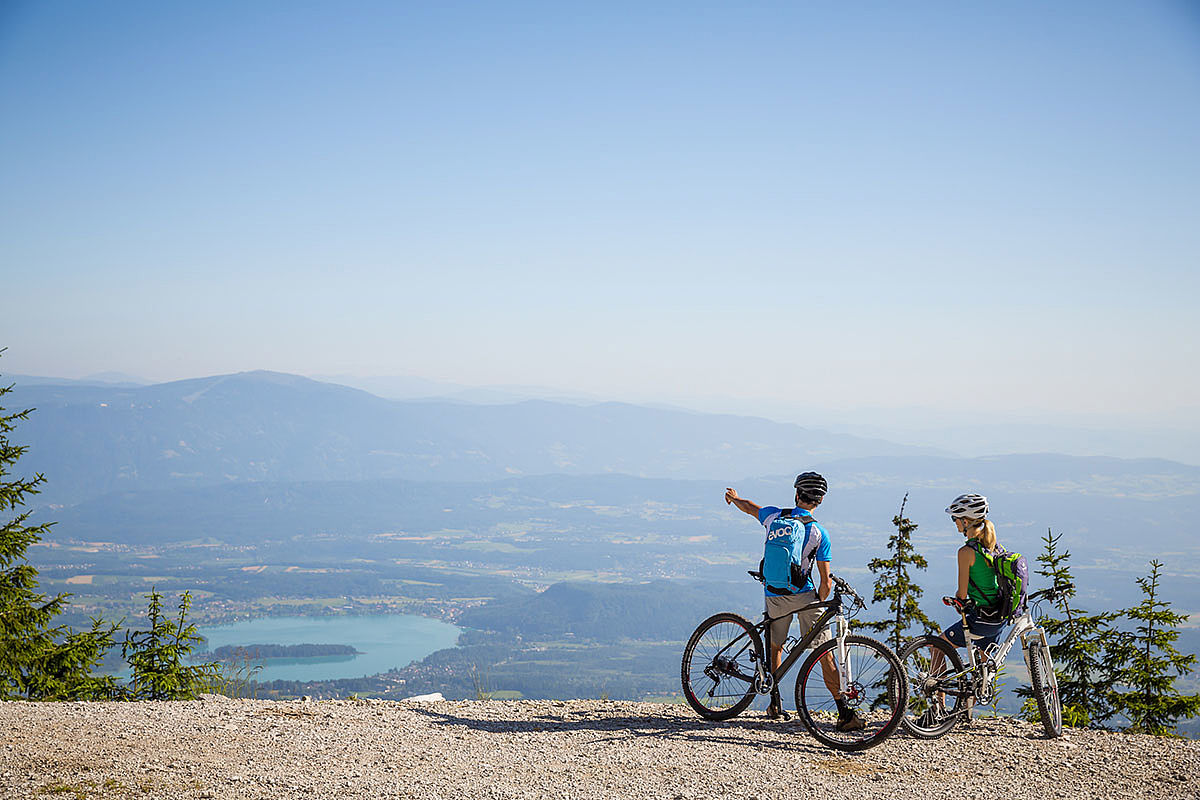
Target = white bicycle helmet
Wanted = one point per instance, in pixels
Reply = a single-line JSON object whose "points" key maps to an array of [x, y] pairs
{"points": [[971, 506]]}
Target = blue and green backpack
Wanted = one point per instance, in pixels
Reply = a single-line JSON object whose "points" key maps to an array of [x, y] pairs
{"points": [[1012, 575]]}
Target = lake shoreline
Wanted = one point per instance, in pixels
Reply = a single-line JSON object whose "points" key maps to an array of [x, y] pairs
{"points": [[382, 642]]}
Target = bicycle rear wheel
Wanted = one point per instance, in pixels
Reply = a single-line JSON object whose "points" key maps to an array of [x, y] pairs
{"points": [[876, 693], [1045, 689], [933, 702], [719, 666]]}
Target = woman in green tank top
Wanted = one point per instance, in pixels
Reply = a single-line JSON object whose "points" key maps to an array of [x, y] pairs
{"points": [[983, 587], [977, 580]]}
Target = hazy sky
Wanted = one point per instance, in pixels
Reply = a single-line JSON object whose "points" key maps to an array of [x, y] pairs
{"points": [[964, 206]]}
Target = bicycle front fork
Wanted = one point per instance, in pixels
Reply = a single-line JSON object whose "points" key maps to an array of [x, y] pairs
{"points": [[845, 675], [1030, 638]]}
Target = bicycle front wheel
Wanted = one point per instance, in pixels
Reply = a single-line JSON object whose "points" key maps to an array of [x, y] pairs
{"points": [[933, 699], [873, 701], [719, 666], [1045, 689]]}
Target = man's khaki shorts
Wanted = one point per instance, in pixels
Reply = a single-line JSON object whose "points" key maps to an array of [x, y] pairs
{"points": [[784, 607]]}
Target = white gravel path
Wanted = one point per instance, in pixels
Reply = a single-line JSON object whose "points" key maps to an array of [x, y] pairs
{"points": [[218, 748]]}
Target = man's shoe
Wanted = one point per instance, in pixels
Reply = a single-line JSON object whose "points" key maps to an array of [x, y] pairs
{"points": [[775, 709], [777, 712], [850, 721]]}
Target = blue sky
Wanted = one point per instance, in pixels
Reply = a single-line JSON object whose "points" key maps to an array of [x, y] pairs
{"points": [[937, 204]]}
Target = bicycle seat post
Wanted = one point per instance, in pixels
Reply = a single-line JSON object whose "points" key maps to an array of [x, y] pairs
{"points": [[974, 654]]}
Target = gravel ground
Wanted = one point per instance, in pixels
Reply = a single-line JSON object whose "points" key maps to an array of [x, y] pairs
{"points": [[219, 748]]}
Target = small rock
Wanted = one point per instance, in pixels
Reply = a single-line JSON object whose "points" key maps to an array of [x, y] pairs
{"points": [[214, 698]]}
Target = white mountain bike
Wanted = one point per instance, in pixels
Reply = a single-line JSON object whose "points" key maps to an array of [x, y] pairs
{"points": [[939, 686]]}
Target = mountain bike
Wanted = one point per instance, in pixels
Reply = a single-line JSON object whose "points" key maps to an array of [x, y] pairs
{"points": [[940, 688], [725, 664]]}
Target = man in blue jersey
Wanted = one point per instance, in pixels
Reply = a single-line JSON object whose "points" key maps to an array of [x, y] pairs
{"points": [[790, 555]]}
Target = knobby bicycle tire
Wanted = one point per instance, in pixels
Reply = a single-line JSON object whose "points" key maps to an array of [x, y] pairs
{"points": [[923, 687], [717, 678], [1045, 689], [878, 694]]}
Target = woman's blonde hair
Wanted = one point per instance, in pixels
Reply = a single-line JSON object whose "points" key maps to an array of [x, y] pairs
{"points": [[985, 532]]}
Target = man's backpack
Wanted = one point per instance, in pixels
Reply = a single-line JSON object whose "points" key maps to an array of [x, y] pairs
{"points": [[1012, 575], [789, 552]]}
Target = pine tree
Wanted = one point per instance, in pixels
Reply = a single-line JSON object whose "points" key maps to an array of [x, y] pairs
{"points": [[157, 655], [1147, 665], [1078, 644], [38, 660], [895, 584]]}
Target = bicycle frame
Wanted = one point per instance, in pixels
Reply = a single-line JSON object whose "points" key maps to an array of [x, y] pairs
{"points": [[766, 680], [983, 671], [933, 681], [833, 611]]}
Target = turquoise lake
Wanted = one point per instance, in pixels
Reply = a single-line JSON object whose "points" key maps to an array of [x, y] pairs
{"points": [[384, 641]]}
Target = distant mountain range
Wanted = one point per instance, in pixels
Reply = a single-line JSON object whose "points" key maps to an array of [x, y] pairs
{"points": [[110, 379], [1170, 434], [91, 439], [1173, 434]]}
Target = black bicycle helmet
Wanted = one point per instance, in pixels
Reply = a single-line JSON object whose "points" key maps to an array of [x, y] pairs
{"points": [[811, 486]]}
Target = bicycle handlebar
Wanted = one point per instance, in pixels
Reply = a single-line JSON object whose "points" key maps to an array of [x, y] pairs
{"points": [[844, 587], [961, 606]]}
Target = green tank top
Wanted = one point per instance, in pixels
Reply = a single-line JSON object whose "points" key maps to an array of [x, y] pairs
{"points": [[984, 588]]}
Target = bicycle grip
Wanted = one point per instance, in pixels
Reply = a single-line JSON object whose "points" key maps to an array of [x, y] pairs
{"points": [[956, 604]]}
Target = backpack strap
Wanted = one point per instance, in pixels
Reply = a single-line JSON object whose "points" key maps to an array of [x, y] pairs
{"points": [[808, 522], [990, 558], [790, 513], [979, 588]]}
